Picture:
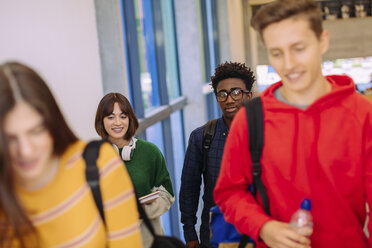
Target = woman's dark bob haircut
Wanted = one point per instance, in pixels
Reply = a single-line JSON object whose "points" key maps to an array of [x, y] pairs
{"points": [[106, 107]]}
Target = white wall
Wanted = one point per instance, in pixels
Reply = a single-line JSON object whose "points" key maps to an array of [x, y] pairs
{"points": [[236, 30], [58, 39], [189, 52]]}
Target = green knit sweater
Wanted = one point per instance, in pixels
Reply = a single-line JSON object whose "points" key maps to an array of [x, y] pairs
{"points": [[147, 169]]}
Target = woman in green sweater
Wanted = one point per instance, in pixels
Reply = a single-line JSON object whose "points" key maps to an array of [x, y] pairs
{"points": [[117, 122]]}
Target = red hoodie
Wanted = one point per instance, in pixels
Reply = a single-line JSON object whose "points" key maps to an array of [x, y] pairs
{"points": [[323, 153]]}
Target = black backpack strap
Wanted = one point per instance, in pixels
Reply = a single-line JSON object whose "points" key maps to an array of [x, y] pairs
{"points": [[255, 121], [243, 241], [145, 219], [209, 131], [90, 156], [159, 240]]}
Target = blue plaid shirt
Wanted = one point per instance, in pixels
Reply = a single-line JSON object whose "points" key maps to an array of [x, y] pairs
{"points": [[192, 178]]}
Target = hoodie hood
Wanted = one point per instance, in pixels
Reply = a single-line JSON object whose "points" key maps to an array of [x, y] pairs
{"points": [[342, 86]]}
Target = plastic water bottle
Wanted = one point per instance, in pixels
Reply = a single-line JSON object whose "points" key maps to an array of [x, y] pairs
{"points": [[302, 220]]}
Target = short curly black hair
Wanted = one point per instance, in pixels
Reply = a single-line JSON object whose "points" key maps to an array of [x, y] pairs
{"points": [[232, 70]]}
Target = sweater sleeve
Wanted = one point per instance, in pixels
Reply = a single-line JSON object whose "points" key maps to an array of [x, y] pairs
{"points": [[120, 210], [163, 184], [162, 177], [231, 194]]}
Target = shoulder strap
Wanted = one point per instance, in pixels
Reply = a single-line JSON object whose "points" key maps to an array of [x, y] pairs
{"points": [[90, 156], [145, 219], [255, 121], [209, 131]]}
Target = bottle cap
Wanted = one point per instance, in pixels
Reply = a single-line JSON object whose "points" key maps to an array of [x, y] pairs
{"points": [[306, 204]]}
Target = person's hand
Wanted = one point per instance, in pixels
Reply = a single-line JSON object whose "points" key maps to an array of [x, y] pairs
{"points": [[192, 244], [278, 235]]}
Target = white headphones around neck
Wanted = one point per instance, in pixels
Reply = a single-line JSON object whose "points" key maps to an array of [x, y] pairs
{"points": [[127, 152]]}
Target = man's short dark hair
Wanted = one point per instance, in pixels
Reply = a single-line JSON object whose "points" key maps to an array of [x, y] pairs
{"points": [[233, 70], [283, 9]]}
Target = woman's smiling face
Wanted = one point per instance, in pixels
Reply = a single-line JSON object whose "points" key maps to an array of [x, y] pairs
{"points": [[116, 124]]}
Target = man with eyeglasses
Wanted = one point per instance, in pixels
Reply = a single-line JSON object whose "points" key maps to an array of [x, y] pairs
{"points": [[232, 84]]}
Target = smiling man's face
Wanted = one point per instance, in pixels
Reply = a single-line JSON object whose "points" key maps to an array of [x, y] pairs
{"points": [[296, 52], [230, 107]]}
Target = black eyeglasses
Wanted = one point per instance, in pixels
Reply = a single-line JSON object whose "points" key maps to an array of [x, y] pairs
{"points": [[236, 94]]}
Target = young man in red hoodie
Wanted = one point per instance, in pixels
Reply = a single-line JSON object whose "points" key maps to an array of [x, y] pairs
{"points": [[317, 142]]}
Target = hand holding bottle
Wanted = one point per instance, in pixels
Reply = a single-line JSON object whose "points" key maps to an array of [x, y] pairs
{"points": [[295, 234], [278, 234], [302, 220]]}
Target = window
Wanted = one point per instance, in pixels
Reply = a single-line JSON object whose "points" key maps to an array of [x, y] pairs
{"points": [[150, 41], [210, 46]]}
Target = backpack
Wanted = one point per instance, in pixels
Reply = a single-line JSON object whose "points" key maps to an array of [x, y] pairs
{"points": [[222, 231], [90, 156]]}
